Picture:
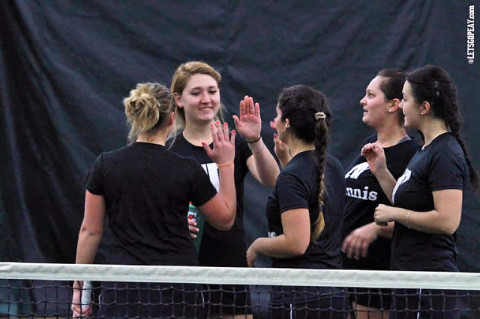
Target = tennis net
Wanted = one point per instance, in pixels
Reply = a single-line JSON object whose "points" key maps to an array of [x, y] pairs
{"points": [[29, 290]]}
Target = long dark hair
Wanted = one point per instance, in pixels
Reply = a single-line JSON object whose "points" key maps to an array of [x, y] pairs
{"points": [[309, 116], [433, 84]]}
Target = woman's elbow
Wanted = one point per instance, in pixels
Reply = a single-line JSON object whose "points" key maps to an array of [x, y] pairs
{"points": [[225, 225], [450, 230], [299, 248], [271, 180], [225, 220], [229, 218], [298, 251], [91, 231]]}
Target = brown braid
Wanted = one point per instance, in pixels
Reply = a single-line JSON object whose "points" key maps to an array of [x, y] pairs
{"points": [[309, 116], [321, 133]]}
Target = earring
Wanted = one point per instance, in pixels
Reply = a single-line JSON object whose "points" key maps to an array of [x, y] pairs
{"points": [[287, 126], [423, 113]]}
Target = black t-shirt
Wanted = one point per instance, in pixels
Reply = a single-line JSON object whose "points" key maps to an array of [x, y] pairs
{"points": [[220, 248], [440, 165], [147, 190], [297, 187], [364, 194]]}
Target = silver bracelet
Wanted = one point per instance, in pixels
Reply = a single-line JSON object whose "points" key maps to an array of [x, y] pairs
{"points": [[408, 216]]}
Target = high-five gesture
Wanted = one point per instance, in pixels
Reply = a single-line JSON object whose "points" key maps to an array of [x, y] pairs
{"points": [[281, 149], [249, 124], [223, 144]]}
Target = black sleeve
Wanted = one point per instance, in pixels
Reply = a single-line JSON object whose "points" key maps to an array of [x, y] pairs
{"points": [[291, 192], [244, 152], [447, 171], [95, 178]]}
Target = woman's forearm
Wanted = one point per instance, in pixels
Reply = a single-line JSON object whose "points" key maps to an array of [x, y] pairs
{"points": [[265, 168]]}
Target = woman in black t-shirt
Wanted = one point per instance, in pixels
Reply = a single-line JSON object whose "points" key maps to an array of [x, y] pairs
{"points": [[427, 198], [304, 210], [366, 245], [145, 190], [196, 87]]}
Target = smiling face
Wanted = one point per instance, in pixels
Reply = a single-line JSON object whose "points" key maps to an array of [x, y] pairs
{"points": [[410, 107], [200, 99], [375, 105]]}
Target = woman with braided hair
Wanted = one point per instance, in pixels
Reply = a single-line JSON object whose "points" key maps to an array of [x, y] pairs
{"points": [[304, 210], [427, 198]]}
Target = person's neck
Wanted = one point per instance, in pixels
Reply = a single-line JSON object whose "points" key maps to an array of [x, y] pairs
{"points": [[159, 137], [432, 129], [297, 146], [197, 134], [390, 135]]}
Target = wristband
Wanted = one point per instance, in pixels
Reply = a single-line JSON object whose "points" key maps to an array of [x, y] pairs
{"points": [[225, 164], [255, 140]]}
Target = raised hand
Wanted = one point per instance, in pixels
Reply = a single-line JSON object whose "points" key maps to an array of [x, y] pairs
{"points": [[375, 157], [223, 144], [249, 124], [282, 151]]}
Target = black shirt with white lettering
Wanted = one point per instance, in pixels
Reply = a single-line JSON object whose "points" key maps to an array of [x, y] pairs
{"points": [[364, 194]]}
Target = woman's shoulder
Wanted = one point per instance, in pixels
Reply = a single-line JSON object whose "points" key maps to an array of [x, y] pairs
{"points": [[303, 164], [445, 144], [180, 158], [117, 153]]}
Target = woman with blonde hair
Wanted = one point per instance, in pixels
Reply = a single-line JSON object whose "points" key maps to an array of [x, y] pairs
{"points": [[196, 89], [144, 189]]}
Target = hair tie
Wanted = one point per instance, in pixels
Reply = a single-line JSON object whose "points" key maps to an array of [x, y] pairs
{"points": [[320, 115]]}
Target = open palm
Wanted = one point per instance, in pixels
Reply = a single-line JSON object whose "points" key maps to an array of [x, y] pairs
{"points": [[249, 124]]}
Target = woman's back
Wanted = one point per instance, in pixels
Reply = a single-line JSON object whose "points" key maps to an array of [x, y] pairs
{"points": [[147, 190]]}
